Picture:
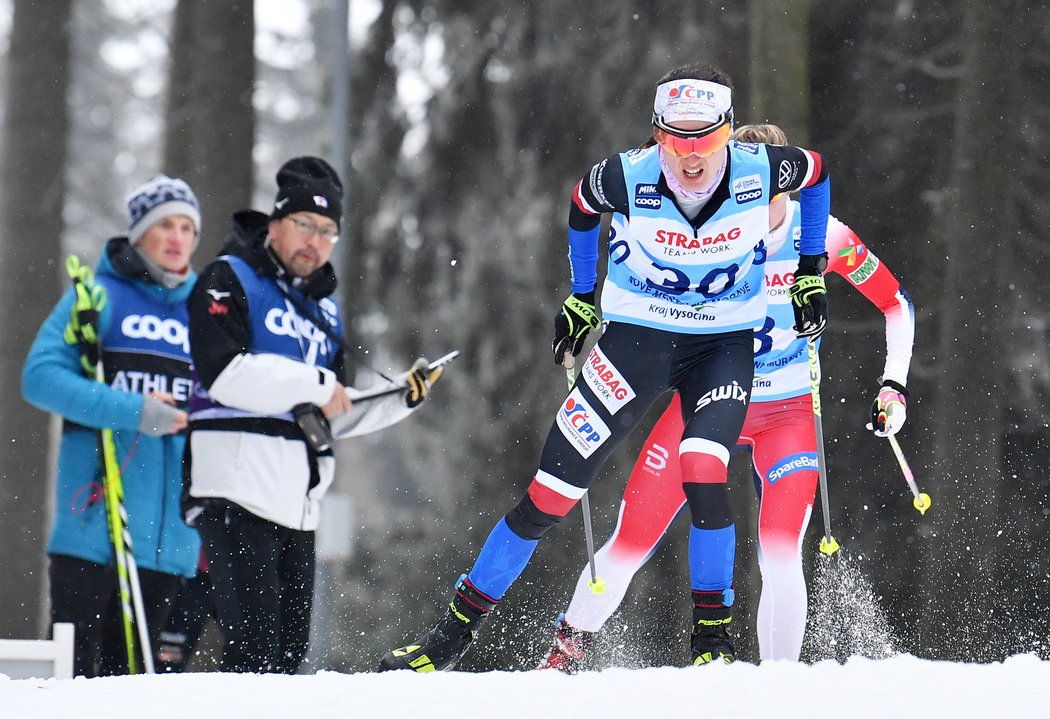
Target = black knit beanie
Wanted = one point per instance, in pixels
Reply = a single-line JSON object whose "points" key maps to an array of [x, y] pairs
{"points": [[308, 184]]}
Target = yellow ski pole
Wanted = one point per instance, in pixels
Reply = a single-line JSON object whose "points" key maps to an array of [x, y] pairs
{"points": [[921, 501], [828, 544]]}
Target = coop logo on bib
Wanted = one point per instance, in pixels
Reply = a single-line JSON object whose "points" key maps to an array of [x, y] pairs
{"points": [[581, 425], [606, 381], [150, 327]]}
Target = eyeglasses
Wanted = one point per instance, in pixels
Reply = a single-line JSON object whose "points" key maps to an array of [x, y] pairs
{"points": [[682, 143], [309, 229]]}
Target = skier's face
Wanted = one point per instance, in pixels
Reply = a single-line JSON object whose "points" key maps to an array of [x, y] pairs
{"points": [[303, 241], [694, 162], [168, 242]]}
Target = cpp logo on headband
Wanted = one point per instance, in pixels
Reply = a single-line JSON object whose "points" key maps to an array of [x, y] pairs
{"points": [[690, 99], [687, 91]]}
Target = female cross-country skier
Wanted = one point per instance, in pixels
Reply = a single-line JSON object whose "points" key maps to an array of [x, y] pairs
{"points": [[779, 429], [683, 296]]}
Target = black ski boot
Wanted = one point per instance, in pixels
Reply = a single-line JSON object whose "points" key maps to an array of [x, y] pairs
{"points": [[712, 640], [568, 648], [442, 647]]}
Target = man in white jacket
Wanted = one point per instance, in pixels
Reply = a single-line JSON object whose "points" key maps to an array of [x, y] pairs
{"points": [[266, 341]]}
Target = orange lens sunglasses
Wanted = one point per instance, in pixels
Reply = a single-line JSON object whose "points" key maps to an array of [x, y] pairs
{"points": [[701, 142]]}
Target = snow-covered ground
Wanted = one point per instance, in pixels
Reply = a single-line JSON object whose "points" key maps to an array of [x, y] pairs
{"points": [[902, 686]]}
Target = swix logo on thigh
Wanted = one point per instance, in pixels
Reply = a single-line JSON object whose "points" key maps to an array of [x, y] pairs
{"points": [[606, 381], [792, 463], [581, 425], [727, 391]]}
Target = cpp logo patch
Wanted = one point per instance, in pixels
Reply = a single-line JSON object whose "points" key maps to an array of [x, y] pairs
{"points": [[792, 463], [581, 425], [647, 196]]}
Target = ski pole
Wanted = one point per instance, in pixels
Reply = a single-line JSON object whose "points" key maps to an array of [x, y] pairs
{"points": [[597, 585], [828, 544], [921, 500], [83, 332]]}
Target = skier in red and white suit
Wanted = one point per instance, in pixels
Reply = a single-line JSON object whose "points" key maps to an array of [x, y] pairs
{"points": [[779, 430]]}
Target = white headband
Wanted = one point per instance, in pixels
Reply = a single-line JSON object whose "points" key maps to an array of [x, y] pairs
{"points": [[692, 100]]}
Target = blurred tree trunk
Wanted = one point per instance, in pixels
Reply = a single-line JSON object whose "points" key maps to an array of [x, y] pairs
{"points": [[211, 121], [779, 44], [974, 326], [33, 177]]}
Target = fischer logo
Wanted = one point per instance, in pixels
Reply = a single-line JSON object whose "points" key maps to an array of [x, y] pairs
{"points": [[678, 239], [595, 181], [581, 425], [149, 327], [608, 384], [727, 391], [656, 457], [794, 463]]}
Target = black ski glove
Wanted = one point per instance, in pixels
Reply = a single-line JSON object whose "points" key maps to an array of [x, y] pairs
{"points": [[420, 379], [809, 297], [576, 319]]}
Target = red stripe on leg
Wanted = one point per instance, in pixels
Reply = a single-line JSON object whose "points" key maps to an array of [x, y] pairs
{"points": [[701, 468], [549, 501]]}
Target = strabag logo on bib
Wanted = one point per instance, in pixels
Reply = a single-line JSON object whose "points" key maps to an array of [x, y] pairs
{"points": [[746, 189], [607, 382], [581, 425]]}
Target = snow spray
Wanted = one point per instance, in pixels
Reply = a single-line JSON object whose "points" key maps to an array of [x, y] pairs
{"points": [[845, 617]]}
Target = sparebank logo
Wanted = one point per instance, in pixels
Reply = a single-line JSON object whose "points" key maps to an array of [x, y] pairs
{"points": [[581, 425], [150, 327], [791, 464]]}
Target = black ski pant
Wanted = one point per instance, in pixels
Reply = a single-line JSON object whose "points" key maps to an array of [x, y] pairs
{"points": [[192, 609], [262, 577], [86, 595]]}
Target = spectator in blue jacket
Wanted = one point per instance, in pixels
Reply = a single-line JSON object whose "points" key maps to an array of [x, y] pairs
{"points": [[145, 355]]}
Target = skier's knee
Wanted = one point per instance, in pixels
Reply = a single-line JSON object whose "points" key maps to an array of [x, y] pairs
{"points": [[528, 521]]}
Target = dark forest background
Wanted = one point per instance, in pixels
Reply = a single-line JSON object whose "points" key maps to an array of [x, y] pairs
{"points": [[460, 129]]}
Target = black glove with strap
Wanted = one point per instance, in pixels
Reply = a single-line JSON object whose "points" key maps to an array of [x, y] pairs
{"points": [[577, 317], [809, 297], [420, 379]]}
